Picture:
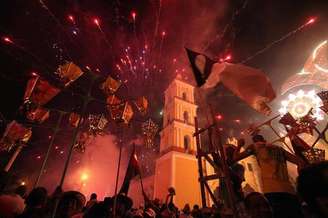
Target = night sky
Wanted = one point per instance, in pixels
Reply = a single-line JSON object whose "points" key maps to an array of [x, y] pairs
{"points": [[44, 36]]}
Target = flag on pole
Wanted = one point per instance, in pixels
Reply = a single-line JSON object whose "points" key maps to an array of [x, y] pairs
{"points": [[132, 171], [249, 84]]}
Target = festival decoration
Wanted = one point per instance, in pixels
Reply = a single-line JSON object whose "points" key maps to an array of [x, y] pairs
{"points": [[317, 62], [288, 120], [69, 72], [324, 98], [314, 155], [122, 112], [74, 119], [300, 103], [39, 91], [110, 86], [82, 140], [149, 131], [97, 123], [15, 134], [142, 104], [38, 115]]}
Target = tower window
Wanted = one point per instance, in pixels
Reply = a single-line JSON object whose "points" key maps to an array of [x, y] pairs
{"points": [[184, 96], [186, 142], [186, 117]]}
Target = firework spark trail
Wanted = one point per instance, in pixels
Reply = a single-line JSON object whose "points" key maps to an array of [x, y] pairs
{"points": [[226, 27], [268, 46], [158, 16]]}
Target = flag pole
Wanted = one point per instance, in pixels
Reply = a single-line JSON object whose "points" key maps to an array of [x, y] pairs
{"points": [[116, 182]]}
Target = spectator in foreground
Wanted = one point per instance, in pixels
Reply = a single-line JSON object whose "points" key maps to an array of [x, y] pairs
{"points": [[92, 201], [13, 204], [35, 204], [70, 204], [258, 206], [186, 211], [312, 186]]}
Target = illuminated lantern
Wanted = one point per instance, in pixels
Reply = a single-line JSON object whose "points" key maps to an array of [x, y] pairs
{"points": [[127, 113], [149, 131], [74, 119], [69, 72], [39, 91], [15, 134], [110, 86], [81, 142], [38, 115], [97, 123], [324, 98], [142, 105], [314, 155]]}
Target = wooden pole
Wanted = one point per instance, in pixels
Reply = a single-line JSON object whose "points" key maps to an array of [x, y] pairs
{"points": [[56, 130], [199, 161], [116, 183], [13, 158]]}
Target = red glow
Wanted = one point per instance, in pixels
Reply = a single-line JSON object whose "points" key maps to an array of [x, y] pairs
{"points": [[96, 21], [163, 33], [228, 57], [71, 18], [38, 157], [219, 117], [56, 147], [35, 74], [174, 60], [88, 67], [311, 20], [237, 121], [133, 14], [7, 39]]}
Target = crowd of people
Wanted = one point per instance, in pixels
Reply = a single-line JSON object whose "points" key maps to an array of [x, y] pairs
{"points": [[278, 200], [312, 191]]}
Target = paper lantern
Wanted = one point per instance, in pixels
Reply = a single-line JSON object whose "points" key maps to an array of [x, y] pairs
{"points": [[110, 86], [68, 73], [97, 123], [314, 155], [74, 119], [15, 134], [39, 91], [142, 104], [38, 115], [121, 112], [149, 131]]}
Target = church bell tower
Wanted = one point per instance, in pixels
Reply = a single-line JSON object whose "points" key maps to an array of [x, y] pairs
{"points": [[177, 165]]}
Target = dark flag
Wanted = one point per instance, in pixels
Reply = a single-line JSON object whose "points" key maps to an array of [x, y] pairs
{"points": [[249, 84], [132, 171]]}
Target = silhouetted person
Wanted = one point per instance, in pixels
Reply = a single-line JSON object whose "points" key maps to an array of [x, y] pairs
{"points": [[13, 204], [312, 185], [196, 212], [186, 211], [35, 204], [92, 201], [258, 206], [70, 204], [277, 187]]}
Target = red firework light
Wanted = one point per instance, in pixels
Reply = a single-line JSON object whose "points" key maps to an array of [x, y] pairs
{"points": [[71, 18], [163, 33], [6, 39], [311, 20], [96, 21], [133, 14]]}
